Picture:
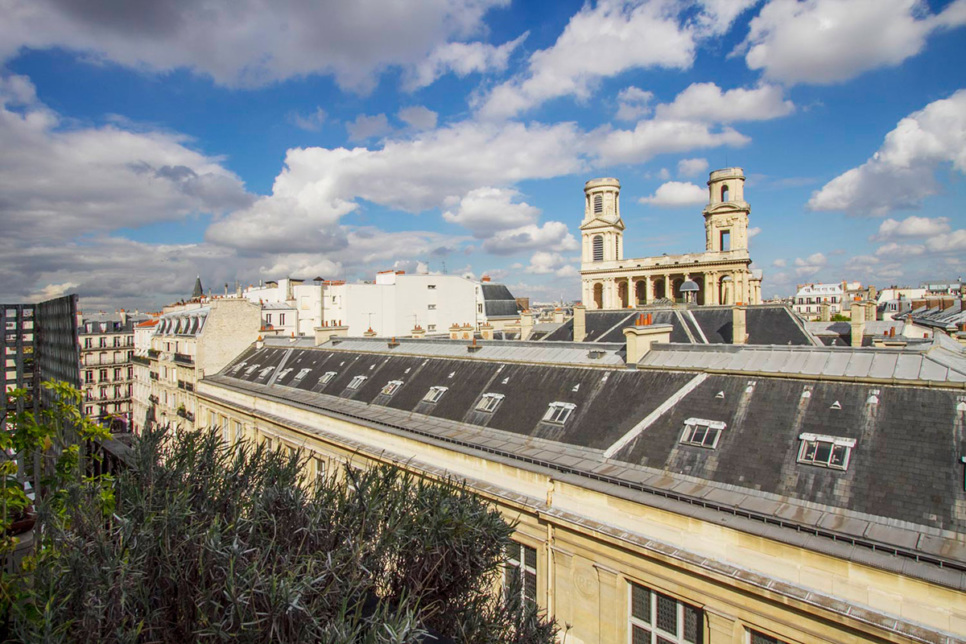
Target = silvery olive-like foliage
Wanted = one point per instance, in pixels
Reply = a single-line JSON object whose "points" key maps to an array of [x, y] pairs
{"points": [[215, 542]]}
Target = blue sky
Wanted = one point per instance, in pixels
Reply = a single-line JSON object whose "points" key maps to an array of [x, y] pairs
{"points": [[142, 144]]}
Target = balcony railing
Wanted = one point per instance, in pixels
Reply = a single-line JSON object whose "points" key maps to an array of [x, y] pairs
{"points": [[183, 358], [188, 416], [154, 375], [141, 360], [153, 353]]}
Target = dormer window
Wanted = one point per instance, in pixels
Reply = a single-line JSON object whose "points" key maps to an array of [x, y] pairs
{"points": [[251, 369], [826, 451], [489, 402], [300, 376], [559, 412], [702, 433], [391, 387], [264, 373], [238, 367], [327, 377], [434, 394], [357, 382]]}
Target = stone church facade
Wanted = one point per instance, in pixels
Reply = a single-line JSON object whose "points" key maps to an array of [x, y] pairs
{"points": [[719, 275]]}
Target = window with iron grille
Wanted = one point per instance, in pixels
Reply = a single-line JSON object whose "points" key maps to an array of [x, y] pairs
{"points": [[761, 638], [434, 394], [658, 619], [559, 412], [521, 567], [489, 402]]}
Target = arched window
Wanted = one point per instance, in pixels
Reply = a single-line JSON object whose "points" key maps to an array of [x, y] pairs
{"points": [[724, 193], [598, 248], [598, 204]]}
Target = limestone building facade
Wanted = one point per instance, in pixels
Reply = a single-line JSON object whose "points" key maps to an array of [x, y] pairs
{"points": [[107, 370], [657, 501], [719, 275]]}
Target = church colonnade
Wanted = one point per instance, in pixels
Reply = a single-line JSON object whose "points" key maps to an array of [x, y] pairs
{"points": [[714, 288]]}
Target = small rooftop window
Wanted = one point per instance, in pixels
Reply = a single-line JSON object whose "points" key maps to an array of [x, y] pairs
{"points": [[826, 451], [357, 382], [300, 376], [237, 367], [327, 377], [264, 373], [391, 387], [434, 394], [489, 402], [702, 433], [559, 412], [251, 369]]}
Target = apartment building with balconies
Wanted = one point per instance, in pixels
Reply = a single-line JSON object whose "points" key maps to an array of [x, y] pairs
{"points": [[107, 371]]}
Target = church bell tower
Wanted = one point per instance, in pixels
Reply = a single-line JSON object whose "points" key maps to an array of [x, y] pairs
{"points": [[602, 231], [726, 215]]}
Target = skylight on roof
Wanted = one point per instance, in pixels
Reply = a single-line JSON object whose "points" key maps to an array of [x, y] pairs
{"points": [[702, 433], [434, 394], [558, 412], [489, 402], [826, 451], [391, 387], [327, 377], [300, 376], [356, 382]]}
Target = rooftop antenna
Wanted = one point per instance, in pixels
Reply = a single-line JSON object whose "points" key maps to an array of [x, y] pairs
{"points": [[444, 267]]}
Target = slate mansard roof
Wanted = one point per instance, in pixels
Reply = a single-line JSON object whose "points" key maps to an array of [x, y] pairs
{"points": [[700, 325], [898, 494], [498, 301]]}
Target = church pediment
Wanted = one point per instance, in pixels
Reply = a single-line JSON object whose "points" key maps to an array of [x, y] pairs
{"points": [[602, 224]]}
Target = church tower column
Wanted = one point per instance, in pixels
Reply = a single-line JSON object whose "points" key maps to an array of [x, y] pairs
{"points": [[726, 215]]}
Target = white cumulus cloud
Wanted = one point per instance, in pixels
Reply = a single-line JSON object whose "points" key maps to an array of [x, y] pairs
{"points": [[633, 103], [692, 167], [368, 127], [488, 210], [461, 59], [248, 44], [913, 227], [418, 117], [706, 102], [552, 236], [828, 41], [901, 174], [675, 194]]}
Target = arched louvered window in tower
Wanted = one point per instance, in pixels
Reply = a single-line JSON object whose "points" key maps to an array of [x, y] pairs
{"points": [[598, 204], [598, 248], [724, 193]]}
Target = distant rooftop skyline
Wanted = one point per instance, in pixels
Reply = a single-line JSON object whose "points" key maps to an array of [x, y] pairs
{"points": [[145, 145]]}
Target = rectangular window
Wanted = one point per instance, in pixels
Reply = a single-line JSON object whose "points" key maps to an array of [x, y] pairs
{"points": [[103, 375], [281, 319], [434, 394], [659, 619], [88, 343], [117, 373], [826, 451], [489, 402], [117, 341], [269, 443], [327, 377], [320, 469], [357, 382], [521, 568], [701, 432], [102, 343], [431, 286], [558, 412], [238, 431], [431, 307], [391, 387], [430, 327], [88, 376], [268, 319], [761, 638]]}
